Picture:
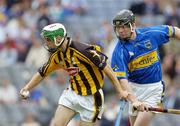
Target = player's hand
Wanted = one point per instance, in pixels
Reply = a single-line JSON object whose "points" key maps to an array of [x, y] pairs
{"points": [[123, 95], [24, 94], [139, 106]]}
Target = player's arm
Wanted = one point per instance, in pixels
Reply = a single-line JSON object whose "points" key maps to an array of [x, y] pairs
{"points": [[120, 72], [35, 80], [177, 32], [131, 97], [124, 90], [43, 71], [109, 72], [125, 85], [100, 60], [121, 85]]}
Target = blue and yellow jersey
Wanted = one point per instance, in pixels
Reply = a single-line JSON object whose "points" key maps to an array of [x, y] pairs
{"points": [[139, 60], [84, 64]]}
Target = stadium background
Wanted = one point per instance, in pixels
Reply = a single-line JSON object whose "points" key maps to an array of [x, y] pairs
{"points": [[88, 21]]}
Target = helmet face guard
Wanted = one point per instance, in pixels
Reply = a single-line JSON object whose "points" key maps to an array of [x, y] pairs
{"points": [[50, 33], [121, 22]]}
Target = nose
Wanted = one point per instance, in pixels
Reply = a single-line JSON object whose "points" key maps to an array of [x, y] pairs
{"points": [[47, 42], [120, 29]]}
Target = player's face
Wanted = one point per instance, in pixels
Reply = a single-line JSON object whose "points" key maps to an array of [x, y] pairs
{"points": [[49, 44], [123, 31]]}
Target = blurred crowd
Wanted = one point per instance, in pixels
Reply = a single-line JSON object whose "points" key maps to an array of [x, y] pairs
{"points": [[21, 52]]}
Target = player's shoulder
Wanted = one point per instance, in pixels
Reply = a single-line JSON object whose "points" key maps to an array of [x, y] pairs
{"points": [[118, 47], [79, 45], [152, 29], [84, 47]]}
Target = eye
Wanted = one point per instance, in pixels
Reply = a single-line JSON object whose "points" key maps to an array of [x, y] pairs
{"points": [[48, 39], [120, 26]]}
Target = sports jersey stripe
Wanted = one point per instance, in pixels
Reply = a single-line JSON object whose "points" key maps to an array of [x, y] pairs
{"points": [[67, 64], [87, 83], [86, 79], [45, 69], [102, 75], [171, 31], [97, 104], [73, 87], [77, 85], [86, 89], [78, 88], [120, 74], [99, 76], [59, 56], [92, 74], [82, 55], [55, 61], [48, 64], [63, 59]]}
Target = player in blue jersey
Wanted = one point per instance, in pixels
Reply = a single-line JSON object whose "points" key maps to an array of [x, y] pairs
{"points": [[136, 61]]}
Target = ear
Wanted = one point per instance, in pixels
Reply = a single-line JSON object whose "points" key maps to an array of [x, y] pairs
{"points": [[133, 26]]}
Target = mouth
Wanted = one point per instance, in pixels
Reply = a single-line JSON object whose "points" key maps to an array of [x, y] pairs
{"points": [[122, 35]]}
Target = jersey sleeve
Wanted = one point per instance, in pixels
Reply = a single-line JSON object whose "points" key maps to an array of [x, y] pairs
{"points": [[163, 33], [50, 66], [119, 64], [95, 55]]}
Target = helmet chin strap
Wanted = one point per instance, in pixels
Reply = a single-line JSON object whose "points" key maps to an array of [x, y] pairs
{"points": [[131, 27]]}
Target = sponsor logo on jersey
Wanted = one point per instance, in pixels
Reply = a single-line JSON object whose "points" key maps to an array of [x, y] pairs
{"points": [[72, 71], [143, 61]]}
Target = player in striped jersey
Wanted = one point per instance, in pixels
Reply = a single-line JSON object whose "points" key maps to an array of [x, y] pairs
{"points": [[86, 66], [136, 61]]}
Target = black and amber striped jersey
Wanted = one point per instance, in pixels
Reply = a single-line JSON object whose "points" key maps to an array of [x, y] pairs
{"points": [[84, 64]]}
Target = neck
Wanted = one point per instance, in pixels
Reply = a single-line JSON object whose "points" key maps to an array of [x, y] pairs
{"points": [[65, 44]]}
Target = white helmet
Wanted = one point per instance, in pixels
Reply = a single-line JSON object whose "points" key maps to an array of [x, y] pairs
{"points": [[50, 32]]}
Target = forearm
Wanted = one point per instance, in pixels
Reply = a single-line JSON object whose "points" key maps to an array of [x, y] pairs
{"points": [[121, 86], [177, 33], [33, 82], [131, 97], [108, 71]]}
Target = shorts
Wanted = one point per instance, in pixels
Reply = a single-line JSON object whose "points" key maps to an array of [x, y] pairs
{"points": [[150, 94], [89, 107]]}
